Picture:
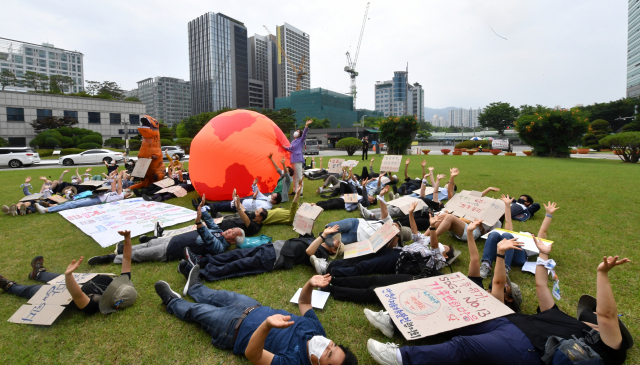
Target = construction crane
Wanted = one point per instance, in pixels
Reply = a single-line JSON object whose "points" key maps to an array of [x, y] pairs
{"points": [[350, 68], [299, 71]]}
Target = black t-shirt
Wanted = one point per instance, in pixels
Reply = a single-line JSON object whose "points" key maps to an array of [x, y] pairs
{"points": [[294, 252], [94, 289], [111, 167], [554, 322], [476, 280], [252, 230]]}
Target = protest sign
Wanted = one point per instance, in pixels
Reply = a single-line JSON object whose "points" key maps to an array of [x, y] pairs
{"points": [[165, 183], [58, 199], [52, 294], [523, 237], [142, 165], [350, 163], [175, 232], [391, 163], [305, 217], [429, 190], [426, 307], [469, 205], [376, 242], [93, 183], [35, 196], [404, 203], [80, 278], [318, 298], [102, 222], [176, 190], [335, 165], [39, 314], [350, 198]]}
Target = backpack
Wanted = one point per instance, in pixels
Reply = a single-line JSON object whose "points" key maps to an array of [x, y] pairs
{"points": [[413, 263], [250, 242], [558, 351]]}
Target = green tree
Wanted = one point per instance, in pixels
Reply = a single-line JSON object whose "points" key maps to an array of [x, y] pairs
{"points": [[109, 90], [598, 129], [4, 142], [165, 132], [338, 125], [61, 84], [189, 127], [349, 144], [92, 87], [613, 110], [626, 145], [423, 134], [553, 133], [317, 123], [398, 132], [114, 142], [36, 81], [45, 123], [632, 127], [7, 78], [498, 116], [283, 118], [529, 109], [372, 122], [132, 98]]}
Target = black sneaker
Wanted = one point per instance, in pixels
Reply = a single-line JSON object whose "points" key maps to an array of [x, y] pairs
{"points": [[137, 192], [184, 268], [395, 189], [190, 256], [5, 283], [165, 293], [147, 198], [159, 230], [192, 279], [157, 199], [195, 204], [100, 260], [145, 239], [119, 248], [37, 265]]}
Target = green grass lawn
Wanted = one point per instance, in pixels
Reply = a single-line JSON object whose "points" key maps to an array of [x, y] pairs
{"points": [[599, 215]]}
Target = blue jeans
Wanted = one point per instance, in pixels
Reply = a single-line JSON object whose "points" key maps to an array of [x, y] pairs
{"points": [[27, 291], [349, 229], [210, 236], [238, 262], [217, 312], [515, 257], [381, 262], [497, 342], [87, 202]]}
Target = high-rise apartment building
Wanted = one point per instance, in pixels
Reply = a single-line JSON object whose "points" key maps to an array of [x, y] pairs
{"points": [[166, 98], [633, 49], [398, 97], [263, 67], [295, 44], [467, 118], [416, 101], [20, 57], [218, 63]]}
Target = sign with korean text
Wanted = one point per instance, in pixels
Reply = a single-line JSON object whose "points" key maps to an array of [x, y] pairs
{"points": [[80, 278], [95, 183], [52, 294], [373, 244], [525, 238], [471, 206], [142, 165], [426, 307], [175, 232], [39, 314], [305, 218], [404, 203], [350, 163], [58, 199], [350, 198], [35, 196], [391, 163], [176, 190], [335, 165], [165, 183]]}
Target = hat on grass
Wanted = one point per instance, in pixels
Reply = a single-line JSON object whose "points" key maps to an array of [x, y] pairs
{"points": [[405, 235], [73, 189], [587, 305], [120, 294]]}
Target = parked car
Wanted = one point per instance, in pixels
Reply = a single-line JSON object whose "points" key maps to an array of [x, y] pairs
{"points": [[18, 156], [311, 146], [172, 150], [91, 156], [501, 144]]}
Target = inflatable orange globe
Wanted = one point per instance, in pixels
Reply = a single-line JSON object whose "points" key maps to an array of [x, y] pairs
{"points": [[232, 150]]}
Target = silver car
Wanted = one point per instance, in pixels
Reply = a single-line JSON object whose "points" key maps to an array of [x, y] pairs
{"points": [[172, 150], [311, 146]]}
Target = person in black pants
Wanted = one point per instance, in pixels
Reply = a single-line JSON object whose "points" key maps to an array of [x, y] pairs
{"points": [[365, 148], [381, 262], [360, 289]]}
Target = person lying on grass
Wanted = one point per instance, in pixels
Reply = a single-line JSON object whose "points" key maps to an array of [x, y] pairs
{"points": [[257, 200], [376, 181], [339, 184], [521, 338], [350, 186], [279, 255], [209, 239], [262, 334], [513, 257], [59, 185], [410, 184], [102, 293]]}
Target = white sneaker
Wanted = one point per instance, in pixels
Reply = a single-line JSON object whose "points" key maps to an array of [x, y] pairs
{"points": [[319, 191], [381, 321], [384, 354], [391, 196], [319, 264], [41, 209], [364, 212]]}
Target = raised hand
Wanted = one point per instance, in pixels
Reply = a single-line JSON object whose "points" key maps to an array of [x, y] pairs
{"points": [[320, 281], [255, 182], [27, 180], [407, 161], [308, 122], [506, 199], [473, 225], [551, 207], [65, 171], [43, 178], [423, 163], [454, 172], [413, 207], [89, 169], [279, 321], [506, 244], [270, 155], [372, 158], [331, 230], [441, 176], [385, 190], [125, 234], [491, 188], [542, 247], [609, 263], [431, 168], [73, 266]]}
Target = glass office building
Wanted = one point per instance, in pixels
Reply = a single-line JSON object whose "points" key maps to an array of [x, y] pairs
{"points": [[295, 44], [166, 98], [633, 49], [398, 97]]}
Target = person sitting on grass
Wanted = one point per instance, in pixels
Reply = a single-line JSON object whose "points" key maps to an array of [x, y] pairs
{"points": [[209, 239], [284, 181], [256, 260], [102, 293], [521, 338], [258, 200], [116, 194], [262, 334]]}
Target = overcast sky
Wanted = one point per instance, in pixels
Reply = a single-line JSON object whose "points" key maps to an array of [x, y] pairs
{"points": [[556, 52]]}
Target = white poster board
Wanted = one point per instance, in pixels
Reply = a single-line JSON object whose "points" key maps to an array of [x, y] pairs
{"points": [[95, 183], [142, 165], [318, 298], [350, 198], [175, 232], [165, 183], [471, 206], [102, 222], [404, 203], [426, 307], [523, 237], [335, 165], [374, 244], [305, 218], [80, 278], [350, 163], [391, 163]]}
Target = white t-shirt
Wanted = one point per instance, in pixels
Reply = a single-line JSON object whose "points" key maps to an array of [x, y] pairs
{"points": [[111, 197], [367, 228]]}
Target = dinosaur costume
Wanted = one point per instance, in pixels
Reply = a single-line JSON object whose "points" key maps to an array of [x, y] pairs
{"points": [[150, 148]]}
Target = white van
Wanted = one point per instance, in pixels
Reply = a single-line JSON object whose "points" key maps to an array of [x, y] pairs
{"points": [[501, 144], [18, 156]]}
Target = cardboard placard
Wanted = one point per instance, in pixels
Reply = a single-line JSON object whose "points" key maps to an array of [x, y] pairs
{"points": [[470, 206], [176, 190], [58, 199], [350, 198], [52, 294], [81, 278], [305, 217], [142, 165], [318, 298], [429, 190], [165, 183], [350, 163], [35, 196], [391, 163], [175, 232], [377, 241], [404, 203], [39, 314], [523, 237], [426, 307], [93, 183], [335, 165]]}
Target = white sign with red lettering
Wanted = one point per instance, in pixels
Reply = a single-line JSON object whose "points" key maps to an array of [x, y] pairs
{"points": [[305, 218], [391, 163]]}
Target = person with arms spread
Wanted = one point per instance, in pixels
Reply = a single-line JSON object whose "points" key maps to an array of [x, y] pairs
{"points": [[296, 158]]}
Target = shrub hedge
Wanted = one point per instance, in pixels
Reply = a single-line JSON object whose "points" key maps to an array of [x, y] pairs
{"points": [[473, 144]]}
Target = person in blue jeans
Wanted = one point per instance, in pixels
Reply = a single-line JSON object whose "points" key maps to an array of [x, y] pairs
{"points": [[263, 334], [517, 258]]}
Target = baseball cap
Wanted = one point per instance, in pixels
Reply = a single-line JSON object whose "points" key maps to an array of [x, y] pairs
{"points": [[120, 294]]}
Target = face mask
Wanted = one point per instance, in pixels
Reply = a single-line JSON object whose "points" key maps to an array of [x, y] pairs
{"points": [[295, 135], [317, 345], [521, 201], [74, 181]]}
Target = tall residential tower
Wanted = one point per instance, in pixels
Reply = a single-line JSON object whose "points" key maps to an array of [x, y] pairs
{"points": [[295, 44], [263, 68], [166, 98], [398, 97]]}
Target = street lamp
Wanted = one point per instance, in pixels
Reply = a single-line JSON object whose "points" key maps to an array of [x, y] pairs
{"points": [[125, 123]]}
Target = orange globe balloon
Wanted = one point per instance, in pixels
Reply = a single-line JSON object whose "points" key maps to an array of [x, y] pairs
{"points": [[232, 150]]}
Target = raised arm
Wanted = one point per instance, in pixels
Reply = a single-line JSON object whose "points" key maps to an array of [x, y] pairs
{"points": [[270, 155], [488, 190], [406, 167], [313, 247], [474, 256], [436, 188], [384, 213], [119, 183], [423, 164], [606, 309], [500, 275], [304, 302], [62, 175], [78, 175], [508, 223], [371, 165], [431, 176], [545, 299], [241, 212], [126, 252], [412, 220], [548, 217], [452, 183], [81, 299]]}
